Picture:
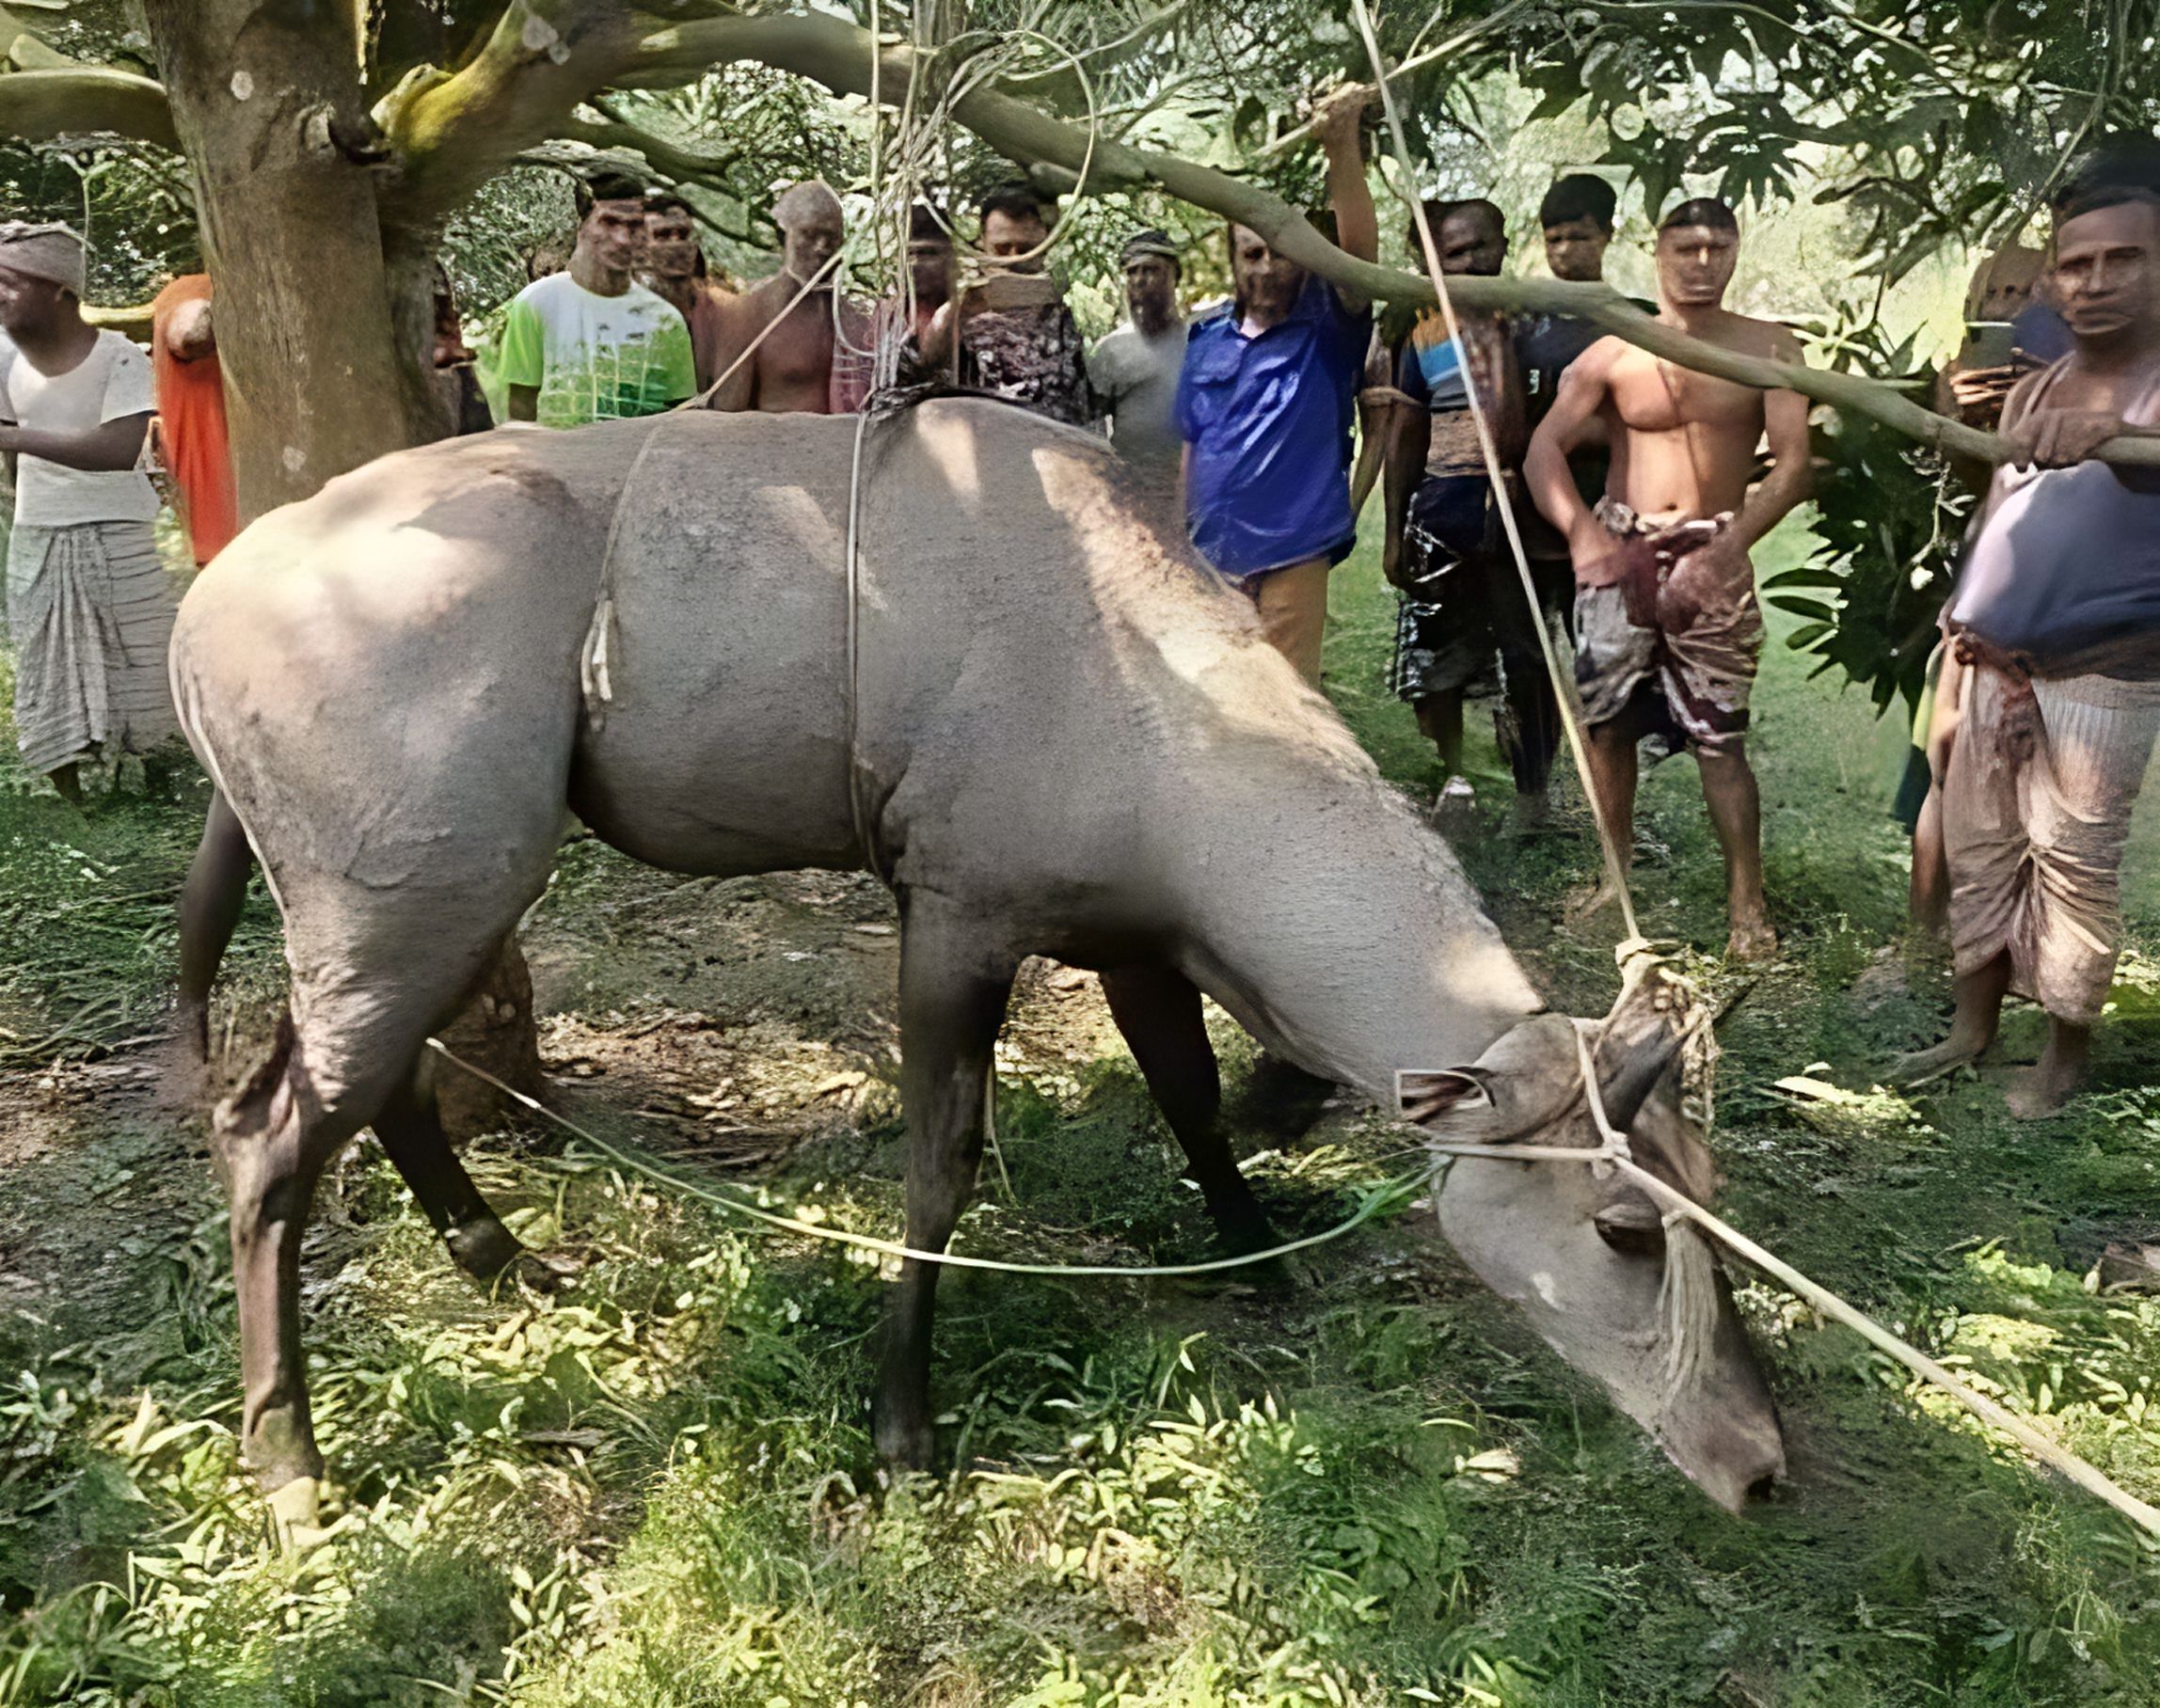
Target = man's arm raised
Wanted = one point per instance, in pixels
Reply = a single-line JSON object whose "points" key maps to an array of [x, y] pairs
{"points": [[1582, 393], [1790, 479], [1357, 226]]}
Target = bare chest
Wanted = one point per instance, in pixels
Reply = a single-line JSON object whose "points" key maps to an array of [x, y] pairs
{"points": [[1651, 396], [798, 351]]}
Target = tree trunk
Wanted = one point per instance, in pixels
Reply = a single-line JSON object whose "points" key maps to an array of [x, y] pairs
{"points": [[324, 321], [267, 100]]}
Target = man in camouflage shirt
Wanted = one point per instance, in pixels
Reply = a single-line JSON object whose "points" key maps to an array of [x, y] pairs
{"points": [[993, 337]]}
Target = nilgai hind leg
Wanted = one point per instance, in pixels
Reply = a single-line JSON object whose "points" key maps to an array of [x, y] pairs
{"points": [[412, 1136], [363, 1008], [954, 986], [1158, 1010]]}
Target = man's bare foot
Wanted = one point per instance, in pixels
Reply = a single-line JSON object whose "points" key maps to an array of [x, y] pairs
{"points": [[2045, 1089], [1590, 899], [1752, 941], [1910, 1072]]}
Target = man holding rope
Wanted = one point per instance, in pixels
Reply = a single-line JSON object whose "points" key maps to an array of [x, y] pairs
{"points": [[1670, 632]]}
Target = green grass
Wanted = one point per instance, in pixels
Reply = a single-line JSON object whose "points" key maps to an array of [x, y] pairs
{"points": [[1361, 1483]]}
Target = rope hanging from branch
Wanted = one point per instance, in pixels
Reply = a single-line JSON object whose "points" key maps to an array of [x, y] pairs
{"points": [[1562, 690]]}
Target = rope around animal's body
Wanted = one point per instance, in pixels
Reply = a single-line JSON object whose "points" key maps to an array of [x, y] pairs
{"points": [[1613, 1149]]}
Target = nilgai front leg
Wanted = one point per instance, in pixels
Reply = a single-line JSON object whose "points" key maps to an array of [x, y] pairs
{"points": [[1158, 1010], [955, 980], [412, 1136]]}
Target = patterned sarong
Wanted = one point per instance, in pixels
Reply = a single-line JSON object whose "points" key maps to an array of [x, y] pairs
{"points": [[90, 612], [1650, 637], [2036, 813]]}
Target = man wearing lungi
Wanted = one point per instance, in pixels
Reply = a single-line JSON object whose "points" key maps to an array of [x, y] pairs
{"points": [[89, 605], [1668, 630], [2051, 692]]}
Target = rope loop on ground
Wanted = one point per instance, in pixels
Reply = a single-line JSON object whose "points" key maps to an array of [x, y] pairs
{"points": [[1385, 1196], [1674, 1206]]}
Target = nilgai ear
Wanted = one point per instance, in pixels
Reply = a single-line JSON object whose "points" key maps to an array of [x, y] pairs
{"points": [[1425, 1094]]}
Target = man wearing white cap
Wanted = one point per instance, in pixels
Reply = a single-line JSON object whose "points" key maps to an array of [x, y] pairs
{"points": [[89, 605]]}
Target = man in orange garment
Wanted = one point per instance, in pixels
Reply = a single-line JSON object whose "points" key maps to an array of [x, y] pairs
{"points": [[190, 413]]}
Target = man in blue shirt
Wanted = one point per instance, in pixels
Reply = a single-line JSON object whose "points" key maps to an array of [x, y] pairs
{"points": [[1265, 406]]}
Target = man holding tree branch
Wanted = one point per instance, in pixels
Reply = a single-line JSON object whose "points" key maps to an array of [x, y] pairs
{"points": [[1265, 406], [2049, 701]]}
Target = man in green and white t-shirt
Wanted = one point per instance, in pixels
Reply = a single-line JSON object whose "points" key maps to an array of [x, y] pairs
{"points": [[592, 344]]}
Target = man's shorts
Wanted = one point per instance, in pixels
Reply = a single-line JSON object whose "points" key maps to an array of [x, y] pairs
{"points": [[1463, 605], [1688, 686]]}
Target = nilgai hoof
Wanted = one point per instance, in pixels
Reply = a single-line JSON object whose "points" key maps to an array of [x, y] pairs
{"points": [[491, 1254], [1241, 1226], [295, 1512]]}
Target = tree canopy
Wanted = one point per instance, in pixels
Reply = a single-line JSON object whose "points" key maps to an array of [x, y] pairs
{"points": [[395, 125]]}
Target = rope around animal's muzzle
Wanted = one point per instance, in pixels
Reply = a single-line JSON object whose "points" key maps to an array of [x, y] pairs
{"points": [[1613, 1148]]}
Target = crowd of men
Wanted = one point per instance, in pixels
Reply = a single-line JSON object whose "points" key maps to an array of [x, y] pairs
{"points": [[1636, 489]]}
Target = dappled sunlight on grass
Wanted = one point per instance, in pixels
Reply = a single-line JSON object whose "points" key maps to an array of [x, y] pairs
{"points": [[1357, 1481]]}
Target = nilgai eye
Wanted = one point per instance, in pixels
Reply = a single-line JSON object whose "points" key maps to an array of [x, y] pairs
{"points": [[1631, 1226]]}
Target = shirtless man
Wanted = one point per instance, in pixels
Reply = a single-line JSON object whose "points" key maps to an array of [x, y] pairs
{"points": [[791, 372], [675, 271], [1670, 631]]}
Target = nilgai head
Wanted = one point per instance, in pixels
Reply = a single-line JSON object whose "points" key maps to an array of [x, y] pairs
{"points": [[1637, 1302]]}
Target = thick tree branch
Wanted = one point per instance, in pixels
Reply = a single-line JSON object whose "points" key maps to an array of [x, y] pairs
{"points": [[671, 158], [451, 132], [37, 106], [837, 55], [546, 55]]}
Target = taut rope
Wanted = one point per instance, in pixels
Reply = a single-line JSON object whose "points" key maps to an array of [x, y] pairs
{"points": [[1562, 690]]}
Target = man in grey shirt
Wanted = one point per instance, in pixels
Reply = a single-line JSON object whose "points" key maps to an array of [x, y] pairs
{"points": [[1134, 370]]}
